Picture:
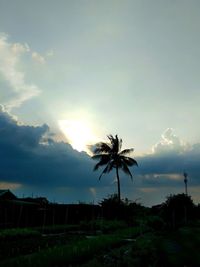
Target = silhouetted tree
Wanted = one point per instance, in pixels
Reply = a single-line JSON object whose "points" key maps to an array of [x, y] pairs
{"points": [[111, 208], [126, 210], [178, 209], [110, 154]]}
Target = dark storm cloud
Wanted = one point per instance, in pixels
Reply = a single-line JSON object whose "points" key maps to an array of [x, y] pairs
{"points": [[22, 136], [30, 157], [170, 158]]}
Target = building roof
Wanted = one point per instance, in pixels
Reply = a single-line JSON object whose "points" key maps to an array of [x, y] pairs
{"points": [[7, 193]]}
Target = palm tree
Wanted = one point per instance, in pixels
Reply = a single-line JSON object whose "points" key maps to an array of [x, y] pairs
{"points": [[111, 155]]}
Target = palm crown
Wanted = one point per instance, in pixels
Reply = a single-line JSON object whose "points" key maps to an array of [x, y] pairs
{"points": [[111, 155]]}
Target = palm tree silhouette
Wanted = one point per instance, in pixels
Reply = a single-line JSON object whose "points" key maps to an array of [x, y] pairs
{"points": [[111, 155]]}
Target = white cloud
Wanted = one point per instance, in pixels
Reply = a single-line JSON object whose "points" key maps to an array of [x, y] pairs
{"points": [[18, 48], [10, 59], [42, 59], [169, 143], [38, 58]]}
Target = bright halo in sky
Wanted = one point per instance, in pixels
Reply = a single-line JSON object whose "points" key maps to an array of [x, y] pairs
{"points": [[78, 133]]}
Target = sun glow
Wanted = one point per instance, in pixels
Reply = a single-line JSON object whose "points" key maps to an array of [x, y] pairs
{"points": [[78, 133]]}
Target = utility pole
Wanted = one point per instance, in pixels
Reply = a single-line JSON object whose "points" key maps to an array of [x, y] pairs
{"points": [[185, 181]]}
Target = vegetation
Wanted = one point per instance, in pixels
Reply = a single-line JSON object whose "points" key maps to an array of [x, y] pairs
{"points": [[74, 253], [110, 154], [140, 237], [126, 247], [178, 210]]}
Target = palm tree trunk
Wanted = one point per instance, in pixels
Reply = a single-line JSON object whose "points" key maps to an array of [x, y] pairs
{"points": [[118, 184]]}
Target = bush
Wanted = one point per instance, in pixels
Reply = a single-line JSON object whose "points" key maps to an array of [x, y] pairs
{"points": [[125, 210], [178, 210]]}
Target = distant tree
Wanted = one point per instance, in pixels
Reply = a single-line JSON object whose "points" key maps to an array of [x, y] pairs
{"points": [[111, 208], [111, 155], [178, 209]]}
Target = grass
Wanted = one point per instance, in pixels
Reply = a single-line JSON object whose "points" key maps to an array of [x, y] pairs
{"points": [[76, 252], [137, 253], [8, 234], [153, 249], [130, 247], [14, 242], [182, 247]]}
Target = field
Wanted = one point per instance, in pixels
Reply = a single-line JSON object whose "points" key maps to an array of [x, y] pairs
{"points": [[100, 243]]}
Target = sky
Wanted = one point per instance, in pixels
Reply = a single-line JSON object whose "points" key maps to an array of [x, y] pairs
{"points": [[72, 72]]}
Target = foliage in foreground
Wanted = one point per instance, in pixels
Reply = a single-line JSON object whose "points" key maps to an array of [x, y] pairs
{"points": [[21, 241], [174, 249], [76, 252]]}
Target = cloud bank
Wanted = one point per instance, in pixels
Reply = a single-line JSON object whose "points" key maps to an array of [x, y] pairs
{"points": [[160, 172], [33, 162], [31, 157], [169, 159]]}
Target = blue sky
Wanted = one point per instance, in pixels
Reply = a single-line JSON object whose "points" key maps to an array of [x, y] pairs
{"points": [[125, 67]]}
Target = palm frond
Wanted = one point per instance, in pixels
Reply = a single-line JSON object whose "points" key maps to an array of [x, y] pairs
{"points": [[117, 162], [106, 170], [99, 156], [126, 151], [96, 166], [111, 139], [103, 159], [126, 170], [116, 143], [129, 161], [102, 147], [111, 165]]}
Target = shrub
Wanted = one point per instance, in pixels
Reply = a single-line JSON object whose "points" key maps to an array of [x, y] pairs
{"points": [[178, 210]]}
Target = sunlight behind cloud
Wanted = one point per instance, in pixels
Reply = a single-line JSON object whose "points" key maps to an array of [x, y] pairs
{"points": [[78, 133], [11, 186]]}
